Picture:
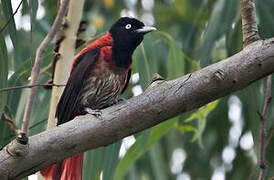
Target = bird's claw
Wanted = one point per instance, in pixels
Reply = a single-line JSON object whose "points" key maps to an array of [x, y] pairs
{"points": [[120, 100], [114, 102], [95, 112]]}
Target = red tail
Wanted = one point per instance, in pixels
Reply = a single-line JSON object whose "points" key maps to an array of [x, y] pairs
{"points": [[69, 169]]}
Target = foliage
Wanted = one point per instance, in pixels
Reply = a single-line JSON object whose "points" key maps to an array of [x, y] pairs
{"points": [[192, 34]]}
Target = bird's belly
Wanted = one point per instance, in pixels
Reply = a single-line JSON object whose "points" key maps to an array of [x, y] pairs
{"points": [[101, 89]]}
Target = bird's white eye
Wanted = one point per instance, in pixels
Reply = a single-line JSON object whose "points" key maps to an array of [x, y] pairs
{"points": [[128, 26]]}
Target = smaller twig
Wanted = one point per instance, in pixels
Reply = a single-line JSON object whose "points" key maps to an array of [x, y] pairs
{"points": [[11, 124], [30, 86], [38, 62], [262, 115], [268, 139], [6, 24]]}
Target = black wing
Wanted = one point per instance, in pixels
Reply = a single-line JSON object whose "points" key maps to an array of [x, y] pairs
{"points": [[67, 105], [128, 78]]}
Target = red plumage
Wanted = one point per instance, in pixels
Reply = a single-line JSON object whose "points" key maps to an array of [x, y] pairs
{"points": [[69, 169], [104, 41], [99, 74]]}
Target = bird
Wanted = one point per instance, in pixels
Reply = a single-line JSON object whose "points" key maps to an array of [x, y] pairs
{"points": [[99, 74]]}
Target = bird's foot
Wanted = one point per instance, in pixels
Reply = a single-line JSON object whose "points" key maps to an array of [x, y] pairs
{"points": [[120, 100], [111, 103], [95, 112]]}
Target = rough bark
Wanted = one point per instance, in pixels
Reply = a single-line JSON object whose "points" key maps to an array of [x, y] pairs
{"points": [[164, 100], [249, 26], [66, 50]]}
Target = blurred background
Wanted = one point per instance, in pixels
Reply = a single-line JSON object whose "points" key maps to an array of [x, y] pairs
{"points": [[218, 141]]}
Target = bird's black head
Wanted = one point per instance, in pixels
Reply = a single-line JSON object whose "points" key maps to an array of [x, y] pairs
{"points": [[127, 34]]}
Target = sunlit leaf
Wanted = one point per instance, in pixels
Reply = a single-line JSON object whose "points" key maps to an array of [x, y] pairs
{"points": [[186, 128], [203, 112], [201, 116]]}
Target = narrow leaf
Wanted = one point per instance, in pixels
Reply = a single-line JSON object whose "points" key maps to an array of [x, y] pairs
{"points": [[137, 150]]}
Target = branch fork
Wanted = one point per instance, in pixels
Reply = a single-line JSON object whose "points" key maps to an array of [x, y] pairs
{"points": [[18, 147]]}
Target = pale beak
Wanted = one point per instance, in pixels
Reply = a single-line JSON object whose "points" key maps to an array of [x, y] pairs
{"points": [[145, 29]]}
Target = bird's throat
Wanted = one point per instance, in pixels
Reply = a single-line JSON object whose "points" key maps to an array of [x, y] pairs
{"points": [[122, 56]]}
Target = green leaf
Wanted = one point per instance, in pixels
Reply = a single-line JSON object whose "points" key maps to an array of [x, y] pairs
{"points": [[21, 107], [201, 115], [93, 164], [176, 63], [39, 118], [34, 7], [143, 67], [222, 17], [186, 128], [4, 129], [159, 166], [203, 112], [19, 77], [147, 69], [265, 14], [28, 6], [137, 149], [101, 160], [234, 38], [3, 72], [7, 9], [111, 160]]}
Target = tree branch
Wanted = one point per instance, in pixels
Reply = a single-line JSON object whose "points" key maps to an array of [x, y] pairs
{"points": [[262, 115], [38, 61], [30, 86], [249, 26], [165, 100]]}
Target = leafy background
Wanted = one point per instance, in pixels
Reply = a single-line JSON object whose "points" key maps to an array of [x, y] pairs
{"points": [[218, 141]]}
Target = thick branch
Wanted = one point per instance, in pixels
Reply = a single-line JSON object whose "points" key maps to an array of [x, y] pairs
{"points": [[38, 62], [163, 101]]}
